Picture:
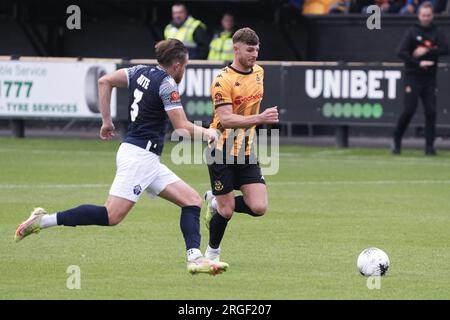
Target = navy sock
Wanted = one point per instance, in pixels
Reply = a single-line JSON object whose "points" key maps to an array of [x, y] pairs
{"points": [[241, 206], [190, 226], [83, 215], [217, 228]]}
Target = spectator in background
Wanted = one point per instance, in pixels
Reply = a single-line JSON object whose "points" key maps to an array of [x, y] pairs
{"points": [[395, 6], [221, 46], [412, 5], [441, 6], [190, 31], [342, 6], [420, 50], [386, 6], [360, 6]]}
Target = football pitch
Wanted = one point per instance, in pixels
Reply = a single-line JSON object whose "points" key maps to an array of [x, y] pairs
{"points": [[325, 206]]}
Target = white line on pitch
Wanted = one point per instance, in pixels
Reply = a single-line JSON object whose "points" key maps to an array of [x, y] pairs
{"points": [[52, 186], [366, 182], [53, 151], [279, 183]]}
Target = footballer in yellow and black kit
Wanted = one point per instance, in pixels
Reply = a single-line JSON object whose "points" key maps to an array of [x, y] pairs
{"points": [[235, 159]]}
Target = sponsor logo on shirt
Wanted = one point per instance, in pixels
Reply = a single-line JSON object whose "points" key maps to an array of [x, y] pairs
{"points": [[240, 100], [174, 96]]}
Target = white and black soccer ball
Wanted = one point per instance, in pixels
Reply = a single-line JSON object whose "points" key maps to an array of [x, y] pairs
{"points": [[373, 262]]}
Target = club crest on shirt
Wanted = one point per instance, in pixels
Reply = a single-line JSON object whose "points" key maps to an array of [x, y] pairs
{"points": [[218, 186]]}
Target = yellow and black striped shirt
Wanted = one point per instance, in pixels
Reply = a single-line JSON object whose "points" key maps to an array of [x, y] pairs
{"points": [[244, 91]]}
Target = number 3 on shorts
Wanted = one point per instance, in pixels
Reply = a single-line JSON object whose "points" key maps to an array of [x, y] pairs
{"points": [[135, 107]]}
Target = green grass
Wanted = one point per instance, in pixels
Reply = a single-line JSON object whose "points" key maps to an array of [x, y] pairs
{"points": [[326, 206]]}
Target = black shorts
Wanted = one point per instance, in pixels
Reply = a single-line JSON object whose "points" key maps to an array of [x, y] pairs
{"points": [[228, 177]]}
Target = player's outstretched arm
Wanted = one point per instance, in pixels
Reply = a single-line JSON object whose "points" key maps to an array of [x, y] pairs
{"points": [[181, 123], [230, 120], [116, 79]]}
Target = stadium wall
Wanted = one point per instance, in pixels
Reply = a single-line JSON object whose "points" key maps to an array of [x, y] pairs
{"points": [[346, 37], [331, 94]]}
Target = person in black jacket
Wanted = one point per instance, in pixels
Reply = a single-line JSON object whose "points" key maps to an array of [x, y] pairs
{"points": [[420, 49]]}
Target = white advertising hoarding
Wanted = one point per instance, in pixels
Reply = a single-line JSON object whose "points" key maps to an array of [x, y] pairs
{"points": [[52, 89]]}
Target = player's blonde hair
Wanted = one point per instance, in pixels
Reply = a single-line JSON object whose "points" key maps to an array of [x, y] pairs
{"points": [[247, 36], [170, 51]]}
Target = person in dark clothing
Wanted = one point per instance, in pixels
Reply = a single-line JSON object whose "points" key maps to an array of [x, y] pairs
{"points": [[420, 50]]}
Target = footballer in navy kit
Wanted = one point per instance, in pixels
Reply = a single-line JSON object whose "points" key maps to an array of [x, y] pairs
{"points": [[153, 102], [152, 92]]}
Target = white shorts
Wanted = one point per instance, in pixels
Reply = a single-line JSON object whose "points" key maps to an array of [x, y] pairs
{"points": [[138, 170]]}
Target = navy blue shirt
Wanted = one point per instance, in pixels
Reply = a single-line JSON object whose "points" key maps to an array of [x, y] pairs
{"points": [[151, 93]]}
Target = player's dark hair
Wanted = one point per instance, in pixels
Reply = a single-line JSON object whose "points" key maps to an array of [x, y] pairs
{"points": [[247, 36], [170, 51], [425, 5]]}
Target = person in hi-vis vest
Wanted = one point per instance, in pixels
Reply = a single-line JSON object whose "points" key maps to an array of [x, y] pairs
{"points": [[221, 46], [190, 31]]}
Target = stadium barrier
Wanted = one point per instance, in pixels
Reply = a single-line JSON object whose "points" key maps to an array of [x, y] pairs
{"points": [[324, 93], [347, 38]]}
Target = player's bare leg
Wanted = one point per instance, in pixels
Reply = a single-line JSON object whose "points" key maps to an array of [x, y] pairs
{"points": [[255, 199], [183, 195], [118, 209]]}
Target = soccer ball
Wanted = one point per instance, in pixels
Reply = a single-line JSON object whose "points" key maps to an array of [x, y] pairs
{"points": [[373, 262]]}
